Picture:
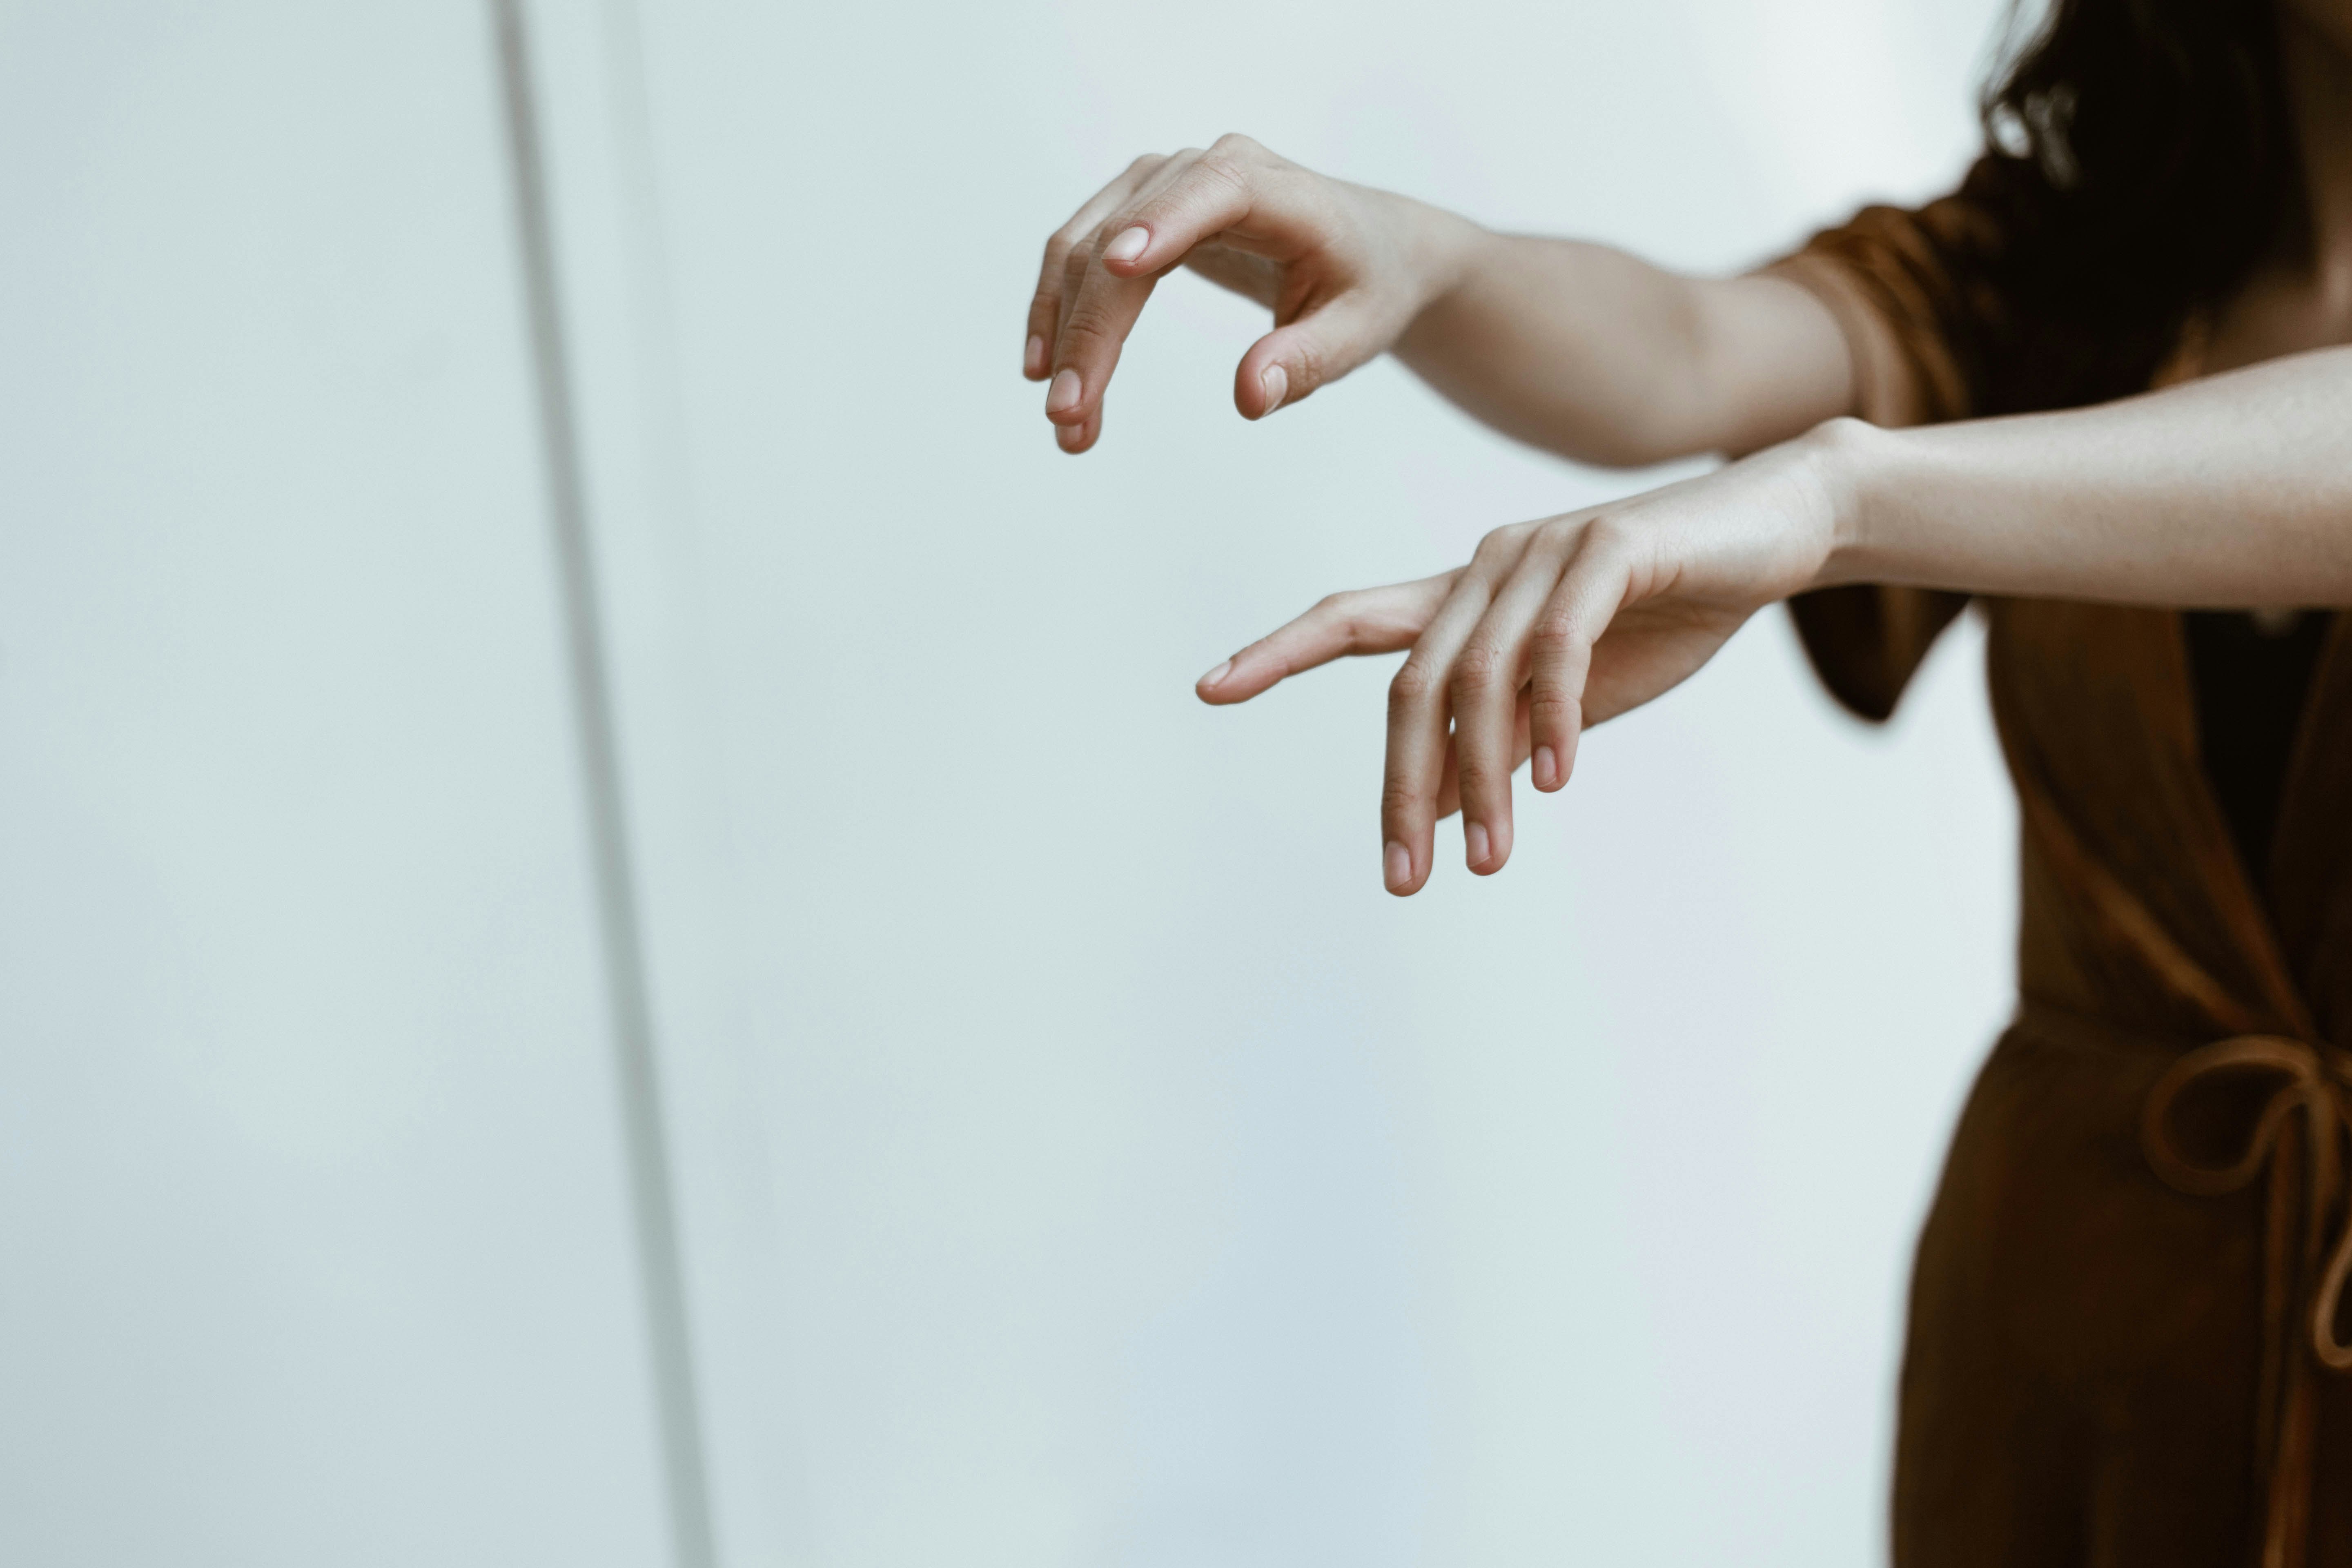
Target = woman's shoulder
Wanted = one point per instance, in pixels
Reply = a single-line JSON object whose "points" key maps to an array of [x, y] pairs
{"points": [[1968, 304]]}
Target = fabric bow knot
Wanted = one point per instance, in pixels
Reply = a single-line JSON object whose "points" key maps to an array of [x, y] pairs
{"points": [[2317, 1081]]}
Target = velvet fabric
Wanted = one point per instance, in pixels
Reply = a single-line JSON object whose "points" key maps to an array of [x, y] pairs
{"points": [[2118, 1343]]}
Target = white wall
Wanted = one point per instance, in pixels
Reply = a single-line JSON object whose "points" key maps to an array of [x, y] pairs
{"points": [[1084, 1160], [312, 1226]]}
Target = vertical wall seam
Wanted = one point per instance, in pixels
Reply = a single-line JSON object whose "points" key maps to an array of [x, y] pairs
{"points": [[651, 1188]]}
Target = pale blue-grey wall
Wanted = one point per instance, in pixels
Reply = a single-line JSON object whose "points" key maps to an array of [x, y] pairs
{"points": [[312, 1223]]}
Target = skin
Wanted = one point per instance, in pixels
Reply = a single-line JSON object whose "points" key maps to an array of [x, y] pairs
{"points": [[2235, 491]]}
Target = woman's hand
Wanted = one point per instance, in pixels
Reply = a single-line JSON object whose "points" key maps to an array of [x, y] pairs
{"points": [[1345, 271], [1555, 626]]}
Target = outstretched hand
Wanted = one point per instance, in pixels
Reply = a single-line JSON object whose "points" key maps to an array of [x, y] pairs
{"points": [[1344, 269], [1554, 627]]}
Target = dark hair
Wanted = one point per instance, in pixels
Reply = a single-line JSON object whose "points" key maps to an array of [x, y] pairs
{"points": [[2144, 152]]}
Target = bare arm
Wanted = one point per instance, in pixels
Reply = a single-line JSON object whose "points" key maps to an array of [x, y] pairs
{"points": [[1601, 356], [2235, 491], [1575, 348]]}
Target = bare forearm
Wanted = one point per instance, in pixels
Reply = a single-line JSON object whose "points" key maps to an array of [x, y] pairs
{"points": [[2231, 491], [1601, 356]]}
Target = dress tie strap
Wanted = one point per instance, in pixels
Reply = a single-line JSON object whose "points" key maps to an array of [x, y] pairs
{"points": [[2315, 1080]]}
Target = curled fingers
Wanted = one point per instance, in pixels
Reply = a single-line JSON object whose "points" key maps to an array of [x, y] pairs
{"points": [[1054, 270], [1419, 713], [1575, 614]]}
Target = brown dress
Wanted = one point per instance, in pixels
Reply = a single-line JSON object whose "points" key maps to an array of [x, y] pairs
{"points": [[2123, 1344]]}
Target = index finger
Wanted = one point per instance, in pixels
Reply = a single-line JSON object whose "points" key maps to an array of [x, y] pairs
{"points": [[1369, 620], [1235, 184]]}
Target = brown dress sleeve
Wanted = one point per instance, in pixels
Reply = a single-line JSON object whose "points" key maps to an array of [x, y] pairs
{"points": [[1911, 289]]}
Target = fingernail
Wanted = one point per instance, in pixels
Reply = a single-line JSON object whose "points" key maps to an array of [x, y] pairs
{"points": [[1396, 866], [1063, 395], [1275, 383], [1032, 357], [1474, 839], [1215, 676], [1130, 243], [1547, 767]]}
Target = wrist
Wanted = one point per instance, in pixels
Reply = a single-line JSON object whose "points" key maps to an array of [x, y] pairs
{"points": [[1847, 460], [1440, 249]]}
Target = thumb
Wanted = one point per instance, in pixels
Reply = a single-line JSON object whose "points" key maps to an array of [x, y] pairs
{"points": [[1292, 359]]}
